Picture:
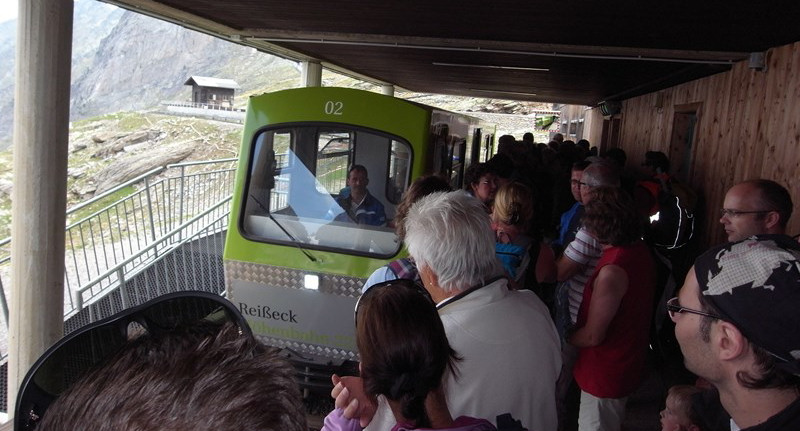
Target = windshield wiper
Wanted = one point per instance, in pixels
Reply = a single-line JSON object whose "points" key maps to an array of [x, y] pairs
{"points": [[277, 223]]}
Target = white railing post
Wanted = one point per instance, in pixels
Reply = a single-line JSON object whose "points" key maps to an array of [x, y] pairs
{"points": [[183, 188], [150, 208], [123, 294]]}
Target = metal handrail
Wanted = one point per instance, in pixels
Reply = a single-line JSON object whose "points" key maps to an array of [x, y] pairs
{"points": [[152, 247], [118, 231]]}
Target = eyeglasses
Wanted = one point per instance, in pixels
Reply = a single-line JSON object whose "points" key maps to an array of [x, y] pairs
{"points": [[674, 308], [402, 283], [73, 356], [736, 213], [582, 184]]}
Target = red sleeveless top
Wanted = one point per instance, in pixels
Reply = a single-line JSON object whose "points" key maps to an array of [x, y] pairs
{"points": [[616, 367]]}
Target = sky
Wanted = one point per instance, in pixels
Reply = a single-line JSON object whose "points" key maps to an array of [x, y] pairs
{"points": [[8, 10]]}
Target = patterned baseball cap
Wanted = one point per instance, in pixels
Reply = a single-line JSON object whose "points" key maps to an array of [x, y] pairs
{"points": [[755, 284]]}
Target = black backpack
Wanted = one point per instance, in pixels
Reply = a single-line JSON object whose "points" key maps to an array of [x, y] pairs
{"points": [[673, 225]]}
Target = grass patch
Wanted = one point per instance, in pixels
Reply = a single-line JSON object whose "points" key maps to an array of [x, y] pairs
{"points": [[133, 121], [101, 204]]}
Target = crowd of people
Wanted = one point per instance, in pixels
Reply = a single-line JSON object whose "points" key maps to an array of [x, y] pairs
{"points": [[540, 272]]}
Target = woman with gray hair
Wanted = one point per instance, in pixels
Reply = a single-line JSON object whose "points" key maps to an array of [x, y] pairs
{"points": [[450, 237]]}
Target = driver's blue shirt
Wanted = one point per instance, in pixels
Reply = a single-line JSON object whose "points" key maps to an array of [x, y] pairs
{"points": [[370, 211]]}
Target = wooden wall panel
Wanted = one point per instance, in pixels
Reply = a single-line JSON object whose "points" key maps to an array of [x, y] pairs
{"points": [[748, 127]]}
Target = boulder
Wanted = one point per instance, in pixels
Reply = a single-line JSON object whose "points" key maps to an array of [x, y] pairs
{"points": [[133, 139], [78, 147], [99, 138], [131, 167]]}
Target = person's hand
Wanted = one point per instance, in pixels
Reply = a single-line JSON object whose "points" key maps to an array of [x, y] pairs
{"points": [[348, 391]]}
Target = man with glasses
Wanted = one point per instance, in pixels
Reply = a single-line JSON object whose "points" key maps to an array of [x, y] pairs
{"points": [[755, 207], [571, 219], [737, 322], [580, 257], [575, 267]]}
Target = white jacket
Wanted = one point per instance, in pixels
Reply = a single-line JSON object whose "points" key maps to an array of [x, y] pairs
{"points": [[511, 358]]}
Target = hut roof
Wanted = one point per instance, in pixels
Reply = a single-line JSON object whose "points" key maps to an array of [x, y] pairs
{"points": [[204, 81]]}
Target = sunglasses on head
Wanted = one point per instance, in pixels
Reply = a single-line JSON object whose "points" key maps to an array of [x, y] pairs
{"points": [[401, 283], [73, 356]]}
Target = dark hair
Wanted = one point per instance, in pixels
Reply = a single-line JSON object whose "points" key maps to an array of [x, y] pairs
{"points": [[403, 347], [611, 217], [771, 376], [657, 160], [475, 172], [198, 378], [682, 398], [507, 139], [774, 197], [420, 187], [581, 165], [617, 155], [360, 168], [502, 165]]}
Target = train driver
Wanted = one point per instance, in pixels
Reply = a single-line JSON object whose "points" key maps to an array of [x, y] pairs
{"points": [[359, 205]]}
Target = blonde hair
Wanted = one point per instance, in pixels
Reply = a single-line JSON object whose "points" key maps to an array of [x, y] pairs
{"points": [[513, 205]]}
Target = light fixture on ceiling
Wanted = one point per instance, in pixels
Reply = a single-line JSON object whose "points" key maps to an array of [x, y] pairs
{"points": [[517, 93], [490, 66]]}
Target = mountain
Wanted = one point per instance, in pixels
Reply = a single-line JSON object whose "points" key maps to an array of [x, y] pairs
{"points": [[144, 61], [93, 21], [126, 61]]}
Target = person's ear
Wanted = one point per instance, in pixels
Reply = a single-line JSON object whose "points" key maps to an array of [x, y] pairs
{"points": [[730, 341], [772, 219]]}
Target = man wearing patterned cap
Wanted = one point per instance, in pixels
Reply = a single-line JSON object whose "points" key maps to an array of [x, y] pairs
{"points": [[738, 324]]}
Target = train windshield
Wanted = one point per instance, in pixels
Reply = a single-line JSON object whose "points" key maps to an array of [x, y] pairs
{"points": [[331, 187]]}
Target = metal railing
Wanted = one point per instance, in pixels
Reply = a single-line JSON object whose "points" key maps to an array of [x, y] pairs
{"points": [[120, 232], [177, 275], [198, 105]]}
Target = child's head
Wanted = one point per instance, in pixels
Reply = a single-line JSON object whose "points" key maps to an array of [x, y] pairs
{"points": [[678, 414]]}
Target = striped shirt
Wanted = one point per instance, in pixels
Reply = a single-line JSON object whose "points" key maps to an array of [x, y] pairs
{"points": [[585, 250]]}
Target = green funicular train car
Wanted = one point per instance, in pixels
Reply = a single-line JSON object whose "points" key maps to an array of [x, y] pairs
{"points": [[293, 266]]}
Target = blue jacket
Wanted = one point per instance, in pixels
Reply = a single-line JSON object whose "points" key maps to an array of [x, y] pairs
{"points": [[370, 211], [570, 223]]}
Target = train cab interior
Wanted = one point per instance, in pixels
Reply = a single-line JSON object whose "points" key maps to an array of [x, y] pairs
{"points": [[297, 184]]}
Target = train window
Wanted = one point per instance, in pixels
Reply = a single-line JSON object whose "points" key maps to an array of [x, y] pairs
{"points": [[399, 171], [333, 157], [298, 191]]}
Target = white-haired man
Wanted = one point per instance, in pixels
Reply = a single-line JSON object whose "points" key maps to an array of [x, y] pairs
{"points": [[508, 343], [736, 321]]}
